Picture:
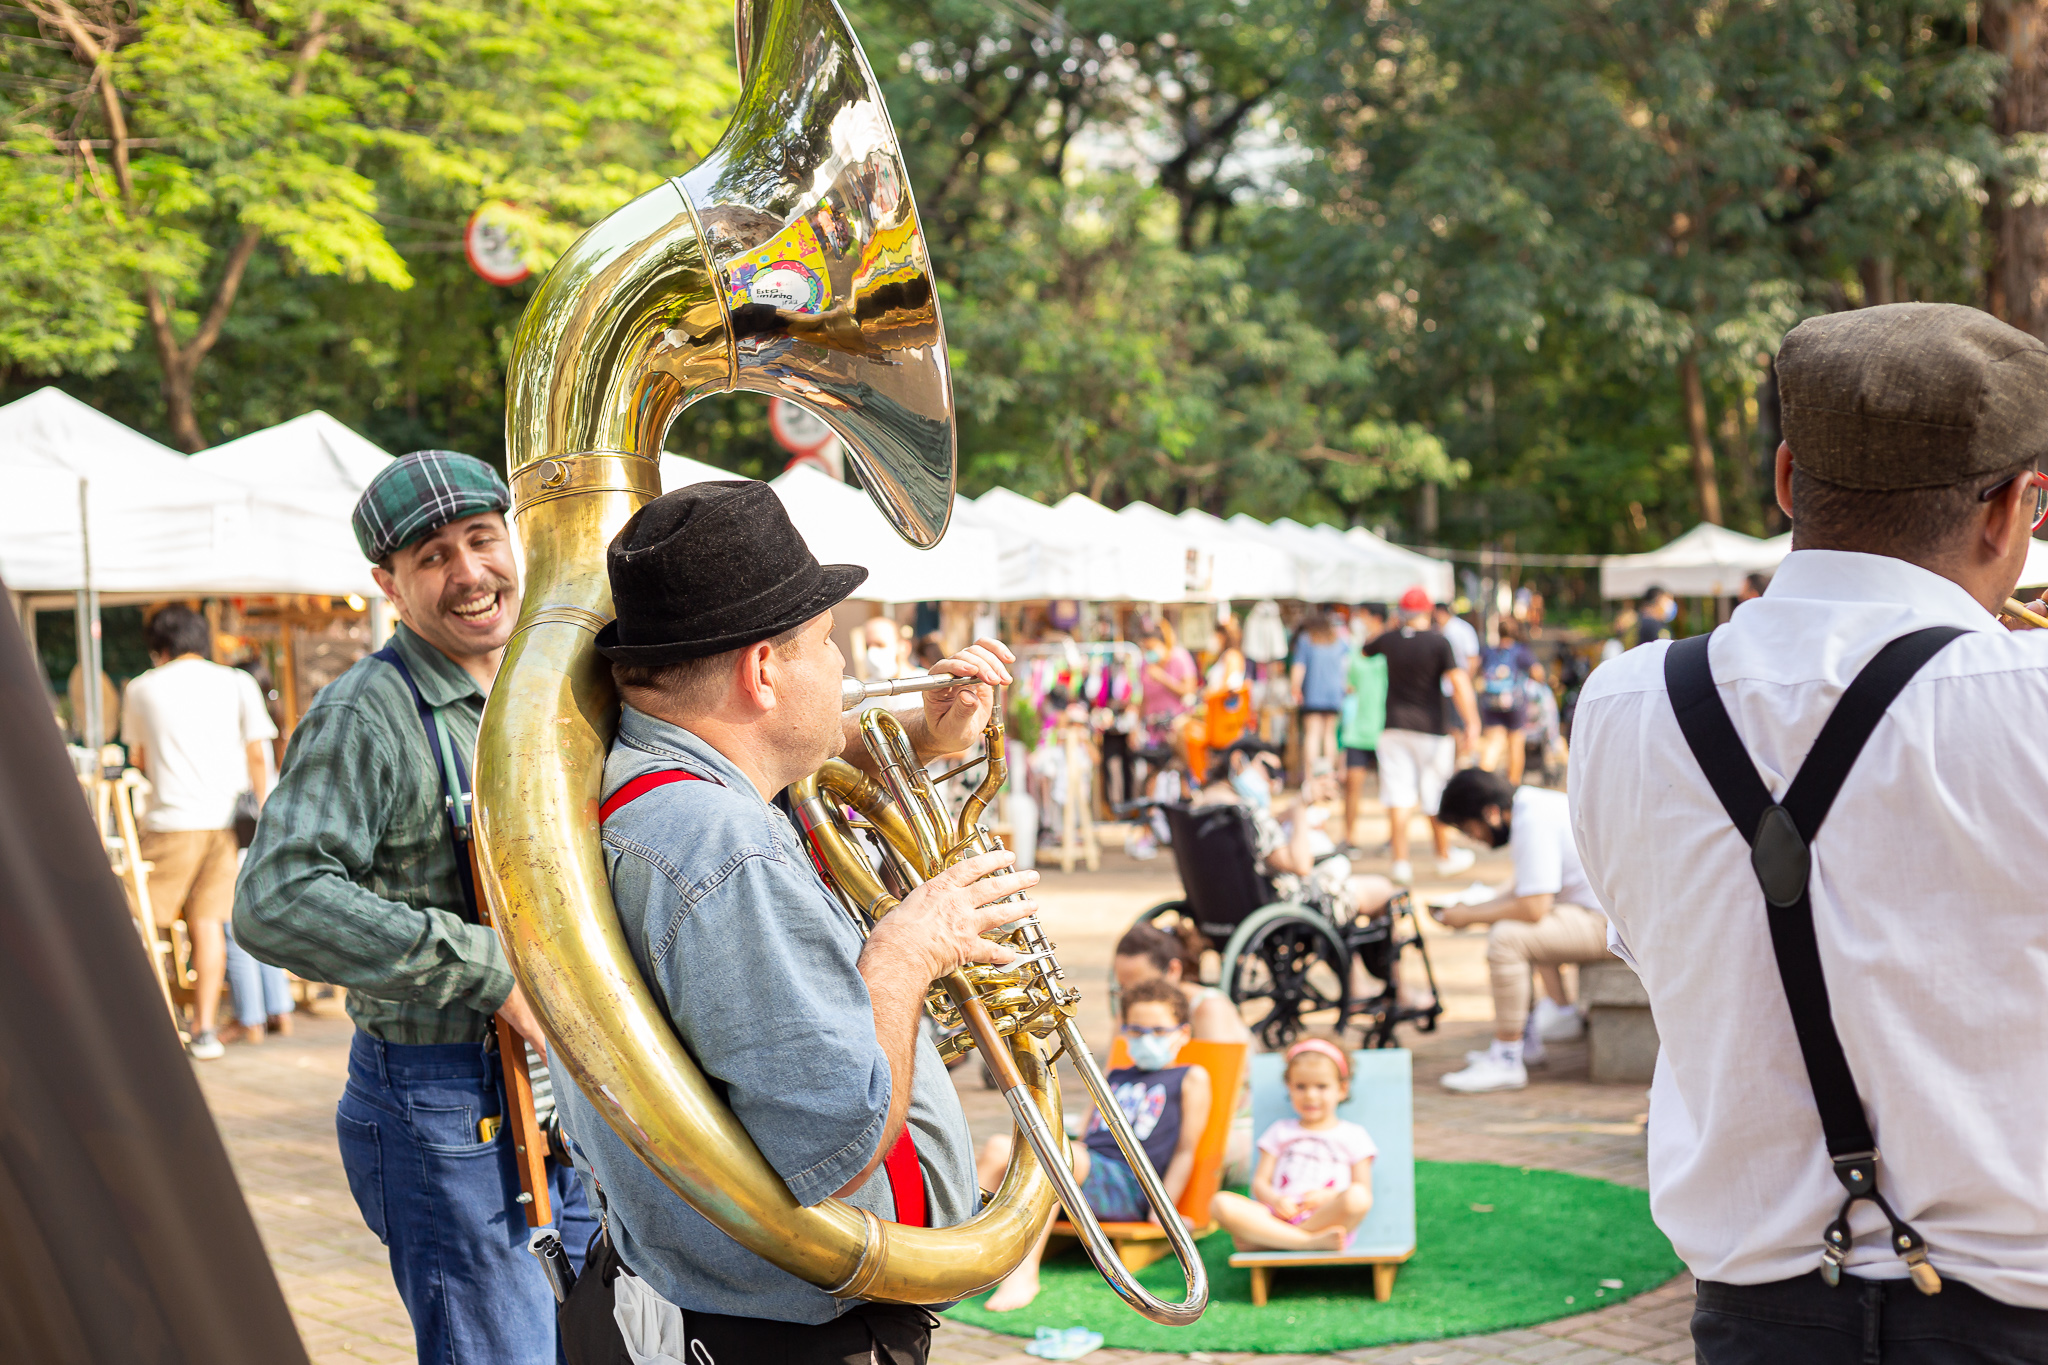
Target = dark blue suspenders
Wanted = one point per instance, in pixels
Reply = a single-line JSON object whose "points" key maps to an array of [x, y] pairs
{"points": [[455, 794], [1780, 837]]}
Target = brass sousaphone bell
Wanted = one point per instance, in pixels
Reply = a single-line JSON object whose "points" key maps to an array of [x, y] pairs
{"points": [[788, 263]]}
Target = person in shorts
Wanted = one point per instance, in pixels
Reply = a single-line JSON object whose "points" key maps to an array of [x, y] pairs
{"points": [[197, 730], [1504, 672], [1416, 755], [1364, 716]]}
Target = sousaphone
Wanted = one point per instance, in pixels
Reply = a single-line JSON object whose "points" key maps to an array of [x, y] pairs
{"points": [[788, 263]]}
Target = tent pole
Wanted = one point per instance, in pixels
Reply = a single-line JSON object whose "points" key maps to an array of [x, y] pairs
{"points": [[91, 725]]}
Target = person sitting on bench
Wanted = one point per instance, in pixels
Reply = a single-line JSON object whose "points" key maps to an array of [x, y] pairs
{"points": [[1313, 1186], [1167, 1107], [1547, 917]]}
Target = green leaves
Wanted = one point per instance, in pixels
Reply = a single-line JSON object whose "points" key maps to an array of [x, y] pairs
{"points": [[313, 127]]}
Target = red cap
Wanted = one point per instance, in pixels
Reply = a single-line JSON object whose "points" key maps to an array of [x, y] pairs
{"points": [[1415, 601]]}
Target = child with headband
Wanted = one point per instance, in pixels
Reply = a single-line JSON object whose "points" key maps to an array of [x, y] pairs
{"points": [[1313, 1185]]}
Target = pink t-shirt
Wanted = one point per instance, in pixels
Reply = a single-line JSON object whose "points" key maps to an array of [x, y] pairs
{"points": [[1318, 1160], [1161, 700]]}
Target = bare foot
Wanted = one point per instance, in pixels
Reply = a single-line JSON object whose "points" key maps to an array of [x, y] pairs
{"points": [[1330, 1239], [1012, 1294], [242, 1033], [280, 1024]]}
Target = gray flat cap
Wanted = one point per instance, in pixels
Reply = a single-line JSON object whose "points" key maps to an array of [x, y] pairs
{"points": [[1912, 395]]}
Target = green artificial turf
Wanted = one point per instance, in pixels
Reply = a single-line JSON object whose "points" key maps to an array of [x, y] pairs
{"points": [[1540, 1254]]}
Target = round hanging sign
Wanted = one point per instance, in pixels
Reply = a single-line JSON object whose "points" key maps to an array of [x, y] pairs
{"points": [[797, 429], [492, 252]]}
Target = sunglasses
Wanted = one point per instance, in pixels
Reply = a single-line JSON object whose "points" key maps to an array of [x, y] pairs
{"points": [[2035, 480]]}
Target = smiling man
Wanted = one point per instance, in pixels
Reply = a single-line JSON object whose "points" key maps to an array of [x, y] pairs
{"points": [[359, 876]]}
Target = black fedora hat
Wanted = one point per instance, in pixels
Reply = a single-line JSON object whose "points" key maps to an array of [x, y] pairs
{"points": [[713, 567]]}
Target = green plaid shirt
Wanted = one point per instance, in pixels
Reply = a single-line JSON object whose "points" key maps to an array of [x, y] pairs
{"points": [[352, 877]]}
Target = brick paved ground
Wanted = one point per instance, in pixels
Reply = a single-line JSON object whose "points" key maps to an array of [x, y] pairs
{"points": [[275, 1106]]}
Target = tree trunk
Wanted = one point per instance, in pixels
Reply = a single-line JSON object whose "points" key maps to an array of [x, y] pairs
{"points": [[1876, 272], [1695, 395], [2018, 283], [177, 391]]}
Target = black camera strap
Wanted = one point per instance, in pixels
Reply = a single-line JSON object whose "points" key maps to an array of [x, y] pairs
{"points": [[1780, 837]]}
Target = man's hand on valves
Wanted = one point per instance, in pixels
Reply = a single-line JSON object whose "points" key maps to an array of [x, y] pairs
{"points": [[939, 925]]}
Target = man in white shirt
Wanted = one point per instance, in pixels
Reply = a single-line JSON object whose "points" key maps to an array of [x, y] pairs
{"points": [[197, 730], [1912, 433], [1546, 917]]}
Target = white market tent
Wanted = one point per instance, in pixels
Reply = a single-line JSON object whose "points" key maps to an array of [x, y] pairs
{"points": [[1027, 569], [1707, 561], [304, 477], [1148, 549], [1434, 575], [1228, 566], [842, 526], [158, 525], [1320, 576], [1084, 562]]}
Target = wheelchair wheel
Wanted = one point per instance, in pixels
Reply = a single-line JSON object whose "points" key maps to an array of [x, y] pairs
{"points": [[1292, 959]]}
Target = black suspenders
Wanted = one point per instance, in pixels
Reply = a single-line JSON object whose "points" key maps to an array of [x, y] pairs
{"points": [[1780, 837]]}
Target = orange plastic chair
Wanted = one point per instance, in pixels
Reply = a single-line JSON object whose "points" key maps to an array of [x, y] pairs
{"points": [[1140, 1244], [1224, 717]]}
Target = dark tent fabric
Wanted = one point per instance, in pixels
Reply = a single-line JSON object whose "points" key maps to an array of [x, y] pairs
{"points": [[124, 1239]]}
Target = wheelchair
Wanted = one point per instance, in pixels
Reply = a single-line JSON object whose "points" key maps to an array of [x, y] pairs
{"points": [[1294, 955]]}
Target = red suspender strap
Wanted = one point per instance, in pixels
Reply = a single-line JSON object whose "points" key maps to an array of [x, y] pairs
{"points": [[906, 1178], [639, 787]]}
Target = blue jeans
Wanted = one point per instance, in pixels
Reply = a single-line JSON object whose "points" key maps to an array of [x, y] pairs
{"points": [[445, 1203], [260, 990]]}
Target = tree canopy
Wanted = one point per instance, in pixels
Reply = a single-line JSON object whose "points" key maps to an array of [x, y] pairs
{"points": [[1505, 271]]}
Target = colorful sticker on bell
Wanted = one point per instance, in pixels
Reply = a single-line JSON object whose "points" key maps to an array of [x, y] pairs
{"points": [[890, 256], [787, 272]]}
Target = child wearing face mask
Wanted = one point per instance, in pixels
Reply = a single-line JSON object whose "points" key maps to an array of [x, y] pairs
{"points": [[1167, 1107], [1313, 1186]]}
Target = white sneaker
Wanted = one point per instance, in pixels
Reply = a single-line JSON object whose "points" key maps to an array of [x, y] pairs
{"points": [[1489, 1072], [1402, 873], [1529, 1058], [205, 1046], [1555, 1023], [1457, 861], [1532, 1043]]}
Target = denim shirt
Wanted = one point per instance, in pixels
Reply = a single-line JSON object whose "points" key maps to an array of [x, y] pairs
{"points": [[754, 961]]}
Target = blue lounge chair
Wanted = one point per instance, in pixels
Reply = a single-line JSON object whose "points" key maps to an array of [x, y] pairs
{"points": [[1382, 1102]]}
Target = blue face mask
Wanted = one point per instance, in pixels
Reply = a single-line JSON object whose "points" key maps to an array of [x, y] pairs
{"points": [[1253, 787], [1153, 1051]]}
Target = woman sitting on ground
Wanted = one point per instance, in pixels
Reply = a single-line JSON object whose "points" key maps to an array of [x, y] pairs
{"points": [[1313, 1186], [1147, 952], [1167, 1107]]}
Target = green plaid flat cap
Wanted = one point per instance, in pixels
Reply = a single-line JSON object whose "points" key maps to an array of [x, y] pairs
{"points": [[418, 494]]}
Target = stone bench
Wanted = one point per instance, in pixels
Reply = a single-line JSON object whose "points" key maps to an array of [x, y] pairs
{"points": [[1621, 1036]]}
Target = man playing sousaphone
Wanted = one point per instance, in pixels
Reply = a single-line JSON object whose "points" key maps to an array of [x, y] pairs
{"points": [[730, 680]]}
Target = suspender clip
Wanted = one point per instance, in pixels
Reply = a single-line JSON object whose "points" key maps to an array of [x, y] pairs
{"points": [[1857, 1171]]}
